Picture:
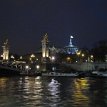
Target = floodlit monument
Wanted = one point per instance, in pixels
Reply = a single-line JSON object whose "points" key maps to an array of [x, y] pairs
{"points": [[6, 50], [45, 48], [71, 49]]}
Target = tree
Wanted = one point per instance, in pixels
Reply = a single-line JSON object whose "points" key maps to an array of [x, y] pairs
{"points": [[100, 50]]}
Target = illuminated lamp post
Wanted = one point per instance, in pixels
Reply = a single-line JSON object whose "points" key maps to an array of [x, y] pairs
{"points": [[53, 58], [78, 55], [37, 67], [21, 57], [91, 57], [83, 55], [27, 68], [68, 59], [32, 56], [12, 58]]}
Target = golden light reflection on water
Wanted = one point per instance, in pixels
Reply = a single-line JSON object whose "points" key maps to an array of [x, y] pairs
{"points": [[32, 90], [48, 92], [81, 83], [80, 96], [3, 81], [30, 83]]}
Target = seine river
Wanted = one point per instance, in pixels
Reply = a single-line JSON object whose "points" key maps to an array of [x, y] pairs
{"points": [[53, 92]]}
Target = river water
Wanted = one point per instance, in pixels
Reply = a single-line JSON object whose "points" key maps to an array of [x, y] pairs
{"points": [[53, 92]]}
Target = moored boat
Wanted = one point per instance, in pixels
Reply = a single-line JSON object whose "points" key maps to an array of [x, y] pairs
{"points": [[60, 74], [8, 71], [99, 74]]}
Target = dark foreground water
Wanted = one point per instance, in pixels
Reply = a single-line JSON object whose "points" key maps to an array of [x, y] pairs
{"points": [[53, 92]]}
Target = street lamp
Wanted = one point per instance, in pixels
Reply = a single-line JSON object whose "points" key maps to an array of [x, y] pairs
{"points": [[21, 57], [27, 67], [53, 58], [32, 56], [82, 55], [78, 55], [12, 56], [91, 57], [37, 67], [68, 59]]}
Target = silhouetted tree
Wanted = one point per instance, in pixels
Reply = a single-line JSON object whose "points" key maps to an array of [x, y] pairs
{"points": [[100, 50]]}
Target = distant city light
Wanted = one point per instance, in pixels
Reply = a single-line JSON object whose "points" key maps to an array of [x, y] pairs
{"points": [[12, 56], [37, 66], [71, 37], [53, 58], [82, 55], [68, 58], [1, 55], [78, 53], [27, 67], [32, 56], [20, 57], [92, 56]]}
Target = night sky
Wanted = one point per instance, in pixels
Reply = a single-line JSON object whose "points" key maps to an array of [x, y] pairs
{"points": [[24, 22]]}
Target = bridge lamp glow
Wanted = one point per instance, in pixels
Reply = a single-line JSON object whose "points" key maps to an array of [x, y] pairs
{"points": [[82, 55], [27, 67], [78, 53], [12, 57], [37, 66], [32, 56], [21, 57], [53, 58], [92, 56]]}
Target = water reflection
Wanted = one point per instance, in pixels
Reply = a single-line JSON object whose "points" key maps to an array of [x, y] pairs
{"points": [[80, 94], [3, 81], [49, 92], [31, 89], [54, 90]]}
